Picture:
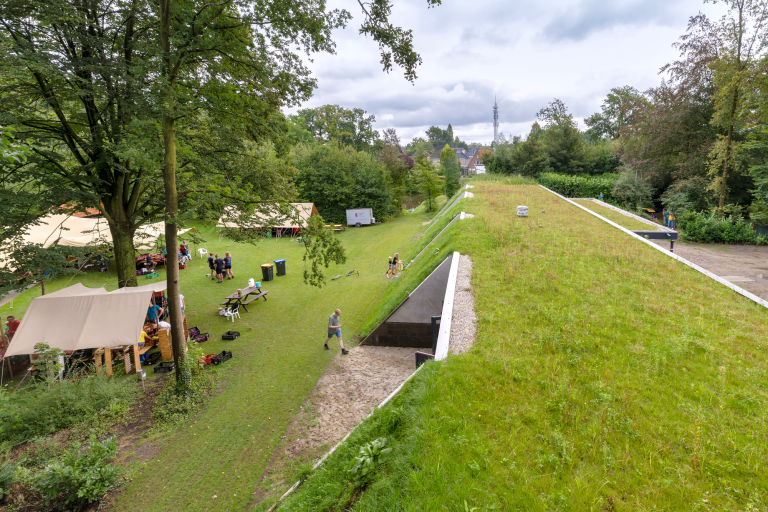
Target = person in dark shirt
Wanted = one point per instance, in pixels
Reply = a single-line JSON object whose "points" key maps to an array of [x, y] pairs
{"points": [[228, 265], [211, 266], [219, 268], [150, 263]]}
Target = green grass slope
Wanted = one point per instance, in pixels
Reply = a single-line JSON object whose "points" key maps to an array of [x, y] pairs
{"points": [[614, 216], [605, 376]]}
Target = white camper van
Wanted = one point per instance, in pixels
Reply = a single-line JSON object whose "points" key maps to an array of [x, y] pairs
{"points": [[360, 217]]}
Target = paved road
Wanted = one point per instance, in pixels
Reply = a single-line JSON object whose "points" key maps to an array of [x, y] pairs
{"points": [[743, 265]]}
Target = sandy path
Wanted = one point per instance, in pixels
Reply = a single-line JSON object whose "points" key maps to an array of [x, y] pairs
{"points": [[346, 393], [743, 265]]}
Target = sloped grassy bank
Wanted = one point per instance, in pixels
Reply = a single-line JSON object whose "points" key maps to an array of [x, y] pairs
{"points": [[605, 376]]}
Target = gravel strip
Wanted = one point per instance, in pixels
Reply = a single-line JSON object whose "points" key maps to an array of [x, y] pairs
{"points": [[464, 321]]}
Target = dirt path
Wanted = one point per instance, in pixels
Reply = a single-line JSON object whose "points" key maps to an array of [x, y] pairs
{"points": [[346, 393], [743, 265]]}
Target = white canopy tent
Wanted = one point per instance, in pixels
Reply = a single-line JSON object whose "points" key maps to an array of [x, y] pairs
{"points": [[78, 317]]}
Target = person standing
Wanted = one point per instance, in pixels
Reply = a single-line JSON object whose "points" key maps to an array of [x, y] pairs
{"points": [[211, 266], [389, 267], [219, 263], [334, 328], [228, 265], [13, 326], [395, 261]]}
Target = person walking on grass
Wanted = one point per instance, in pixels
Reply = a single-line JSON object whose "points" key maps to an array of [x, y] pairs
{"points": [[219, 269], [334, 327], [389, 267], [228, 265], [395, 261]]}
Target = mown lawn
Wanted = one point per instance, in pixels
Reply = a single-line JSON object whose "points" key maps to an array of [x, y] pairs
{"points": [[216, 462], [612, 215], [605, 376]]}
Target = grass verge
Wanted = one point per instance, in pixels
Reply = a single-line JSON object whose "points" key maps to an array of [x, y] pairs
{"points": [[605, 376]]}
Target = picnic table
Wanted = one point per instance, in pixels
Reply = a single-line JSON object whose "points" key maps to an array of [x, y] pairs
{"points": [[248, 295]]}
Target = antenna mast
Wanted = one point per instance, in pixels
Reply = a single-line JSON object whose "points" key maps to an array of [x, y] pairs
{"points": [[495, 120]]}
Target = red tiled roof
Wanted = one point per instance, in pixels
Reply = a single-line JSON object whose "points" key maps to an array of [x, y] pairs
{"points": [[87, 213]]}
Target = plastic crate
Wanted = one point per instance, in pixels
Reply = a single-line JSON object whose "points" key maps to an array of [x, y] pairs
{"points": [[220, 358], [230, 335], [151, 358], [193, 329], [200, 337], [165, 367]]}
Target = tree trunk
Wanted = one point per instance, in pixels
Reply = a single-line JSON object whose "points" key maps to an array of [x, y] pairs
{"points": [[722, 191], [178, 336], [125, 253]]}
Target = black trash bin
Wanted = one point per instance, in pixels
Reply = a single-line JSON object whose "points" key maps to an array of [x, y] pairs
{"points": [[266, 272], [280, 264]]}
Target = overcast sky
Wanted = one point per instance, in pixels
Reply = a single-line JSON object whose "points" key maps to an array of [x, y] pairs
{"points": [[526, 53]]}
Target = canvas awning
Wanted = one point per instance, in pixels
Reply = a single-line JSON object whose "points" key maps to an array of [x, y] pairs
{"points": [[78, 317], [296, 217], [81, 231]]}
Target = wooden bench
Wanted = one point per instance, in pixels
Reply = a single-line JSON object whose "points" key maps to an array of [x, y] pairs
{"points": [[256, 297]]}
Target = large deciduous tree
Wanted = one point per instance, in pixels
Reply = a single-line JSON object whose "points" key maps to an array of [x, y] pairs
{"points": [[450, 169], [332, 123]]}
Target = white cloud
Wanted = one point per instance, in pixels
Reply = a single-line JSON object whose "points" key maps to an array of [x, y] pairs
{"points": [[526, 54]]}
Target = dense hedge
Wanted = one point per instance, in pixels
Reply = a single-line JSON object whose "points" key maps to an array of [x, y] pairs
{"points": [[708, 228], [579, 186]]}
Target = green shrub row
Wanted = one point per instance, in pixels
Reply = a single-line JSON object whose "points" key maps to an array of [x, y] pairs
{"points": [[708, 228], [580, 186]]}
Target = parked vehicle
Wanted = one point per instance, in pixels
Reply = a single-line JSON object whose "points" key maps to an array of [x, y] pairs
{"points": [[360, 217]]}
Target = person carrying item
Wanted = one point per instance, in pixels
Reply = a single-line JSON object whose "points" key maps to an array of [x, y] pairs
{"points": [[219, 263], [211, 266], [228, 265], [334, 327]]}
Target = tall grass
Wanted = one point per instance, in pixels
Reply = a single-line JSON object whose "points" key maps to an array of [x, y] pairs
{"points": [[604, 376], [37, 410]]}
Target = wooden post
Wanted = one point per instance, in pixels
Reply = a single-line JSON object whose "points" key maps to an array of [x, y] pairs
{"points": [[136, 358], [108, 360]]}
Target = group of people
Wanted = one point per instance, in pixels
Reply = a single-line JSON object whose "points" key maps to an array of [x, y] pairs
{"points": [[220, 267], [393, 262]]}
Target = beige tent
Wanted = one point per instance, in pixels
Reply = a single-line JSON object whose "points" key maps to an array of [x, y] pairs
{"points": [[78, 317], [81, 231], [293, 219]]}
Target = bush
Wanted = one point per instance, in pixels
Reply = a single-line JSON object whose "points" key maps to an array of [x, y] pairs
{"points": [[632, 192], [78, 478], [337, 178], [37, 411], [177, 402], [580, 186], [709, 229]]}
